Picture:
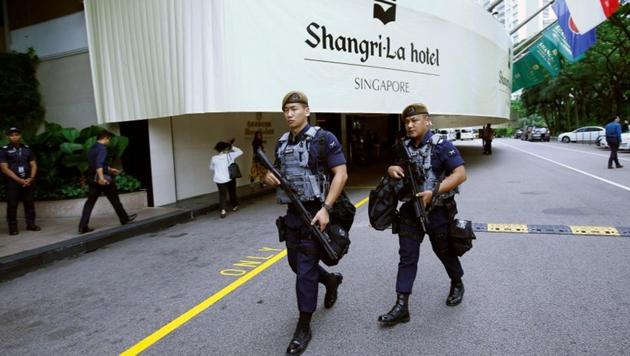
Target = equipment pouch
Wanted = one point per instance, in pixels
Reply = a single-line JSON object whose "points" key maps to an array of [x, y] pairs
{"points": [[460, 236], [282, 228]]}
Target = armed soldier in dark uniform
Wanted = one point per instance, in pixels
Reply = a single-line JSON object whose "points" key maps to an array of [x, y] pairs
{"points": [[442, 171], [308, 157], [17, 162]]}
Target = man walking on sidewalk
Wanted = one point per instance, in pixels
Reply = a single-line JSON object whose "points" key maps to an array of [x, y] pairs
{"points": [[100, 180]]}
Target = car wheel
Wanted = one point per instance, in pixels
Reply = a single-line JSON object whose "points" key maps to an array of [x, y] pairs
{"points": [[566, 139]]}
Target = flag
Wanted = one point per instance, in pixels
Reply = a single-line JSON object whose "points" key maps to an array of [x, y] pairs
{"points": [[527, 72], [555, 34], [587, 14], [579, 43], [547, 54]]}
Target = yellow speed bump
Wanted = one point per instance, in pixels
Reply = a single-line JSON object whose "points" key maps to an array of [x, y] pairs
{"points": [[520, 228], [594, 230]]}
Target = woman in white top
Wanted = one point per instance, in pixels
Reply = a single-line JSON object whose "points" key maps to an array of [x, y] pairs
{"points": [[219, 164]]}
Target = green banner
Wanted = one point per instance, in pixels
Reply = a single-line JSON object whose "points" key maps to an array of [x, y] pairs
{"points": [[546, 52], [527, 72], [555, 35]]}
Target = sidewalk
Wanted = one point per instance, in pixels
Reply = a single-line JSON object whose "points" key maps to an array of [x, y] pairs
{"points": [[59, 238]]}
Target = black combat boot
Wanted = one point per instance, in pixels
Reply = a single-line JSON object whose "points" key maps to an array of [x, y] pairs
{"points": [[13, 230], [301, 336], [399, 313], [456, 294], [332, 283]]}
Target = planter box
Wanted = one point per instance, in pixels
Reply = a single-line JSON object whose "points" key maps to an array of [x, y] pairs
{"points": [[73, 207]]}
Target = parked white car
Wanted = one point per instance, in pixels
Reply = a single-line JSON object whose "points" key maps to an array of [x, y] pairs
{"points": [[583, 134], [448, 134], [625, 142], [466, 134]]}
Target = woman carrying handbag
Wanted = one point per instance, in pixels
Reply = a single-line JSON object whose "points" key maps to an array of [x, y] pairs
{"points": [[226, 182]]}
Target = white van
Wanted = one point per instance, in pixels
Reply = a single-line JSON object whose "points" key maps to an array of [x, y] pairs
{"points": [[467, 134]]}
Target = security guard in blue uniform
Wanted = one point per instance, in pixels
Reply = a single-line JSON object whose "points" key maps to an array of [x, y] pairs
{"points": [[444, 171], [17, 162], [312, 160]]}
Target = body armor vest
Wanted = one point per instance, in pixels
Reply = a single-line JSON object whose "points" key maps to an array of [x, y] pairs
{"points": [[294, 166], [423, 157]]}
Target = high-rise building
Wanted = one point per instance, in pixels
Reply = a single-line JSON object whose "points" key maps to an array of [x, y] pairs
{"points": [[513, 12]]}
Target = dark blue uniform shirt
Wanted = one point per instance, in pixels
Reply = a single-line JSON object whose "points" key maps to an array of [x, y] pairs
{"points": [[16, 157], [444, 159], [97, 158], [613, 129], [333, 152]]}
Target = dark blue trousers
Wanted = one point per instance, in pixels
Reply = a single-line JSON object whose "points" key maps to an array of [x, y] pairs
{"points": [[303, 256], [409, 239]]}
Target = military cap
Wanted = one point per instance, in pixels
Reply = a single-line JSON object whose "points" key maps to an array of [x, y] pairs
{"points": [[294, 97], [414, 109], [11, 130]]}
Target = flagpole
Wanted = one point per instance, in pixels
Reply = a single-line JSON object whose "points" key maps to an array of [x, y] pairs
{"points": [[528, 43], [531, 17], [493, 5]]}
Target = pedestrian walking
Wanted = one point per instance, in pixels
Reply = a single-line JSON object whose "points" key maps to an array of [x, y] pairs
{"points": [[488, 134], [308, 157], [219, 163], [19, 166], [613, 137], [101, 181], [443, 171]]}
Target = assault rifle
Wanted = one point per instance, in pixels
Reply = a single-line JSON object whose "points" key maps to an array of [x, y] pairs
{"points": [[322, 236], [415, 174]]}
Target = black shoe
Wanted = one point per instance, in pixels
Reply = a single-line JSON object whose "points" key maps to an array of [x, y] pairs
{"points": [[456, 294], [33, 227], [85, 229], [13, 230], [223, 213], [130, 218], [610, 167], [619, 166], [331, 291], [301, 338], [398, 314]]}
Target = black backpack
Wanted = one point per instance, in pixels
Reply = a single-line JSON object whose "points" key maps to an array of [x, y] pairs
{"points": [[383, 203]]}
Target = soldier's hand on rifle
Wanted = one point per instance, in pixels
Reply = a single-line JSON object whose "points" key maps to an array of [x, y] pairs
{"points": [[396, 172], [271, 179], [321, 218], [426, 197]]}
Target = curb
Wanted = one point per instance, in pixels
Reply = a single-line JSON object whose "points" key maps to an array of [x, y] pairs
{"points": [[20, 263]]}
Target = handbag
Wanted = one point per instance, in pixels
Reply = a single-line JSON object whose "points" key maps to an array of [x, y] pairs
{"points": [[234, 170]]}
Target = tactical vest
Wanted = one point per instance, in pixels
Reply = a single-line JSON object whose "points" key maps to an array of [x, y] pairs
{"points": [[294, 166], [422, 156]]}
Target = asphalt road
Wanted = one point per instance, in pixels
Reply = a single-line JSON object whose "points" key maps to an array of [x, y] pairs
{"points": [[525, 293]]}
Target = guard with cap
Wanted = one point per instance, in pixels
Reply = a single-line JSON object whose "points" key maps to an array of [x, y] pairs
{"points": [[313, 162], [17, 162], [443, 171]]}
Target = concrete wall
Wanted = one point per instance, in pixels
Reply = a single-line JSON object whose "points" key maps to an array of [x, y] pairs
{"points": [[67, 92], [162, 164]]}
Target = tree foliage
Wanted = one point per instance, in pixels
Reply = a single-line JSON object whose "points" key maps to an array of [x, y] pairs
{"points": [[20, 100], [593, 90]]}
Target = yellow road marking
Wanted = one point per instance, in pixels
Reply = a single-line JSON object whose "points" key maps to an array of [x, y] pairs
{"points": [[522, 228], [594, 230], [363, 201], [196, 310]]}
